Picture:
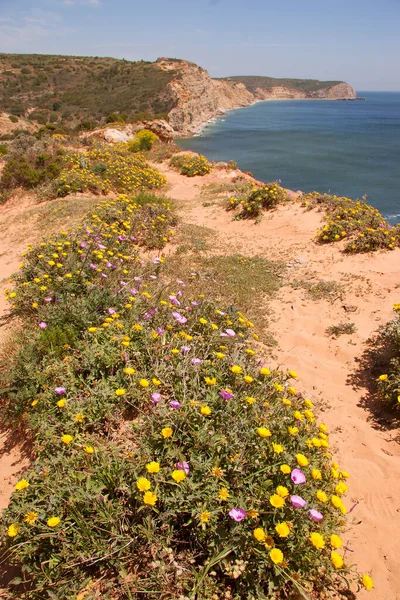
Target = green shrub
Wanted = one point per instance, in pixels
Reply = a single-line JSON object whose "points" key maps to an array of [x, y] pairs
{"points": [[253, 200], [191, 165], [3, 149], [13, 119], [389, 382], [18, 172], [143, 141]]}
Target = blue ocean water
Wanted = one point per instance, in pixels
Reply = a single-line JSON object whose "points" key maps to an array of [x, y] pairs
{"points": [[345, 148]]}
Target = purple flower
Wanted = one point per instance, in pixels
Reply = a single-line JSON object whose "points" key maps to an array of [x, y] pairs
{"points": [[175, 404], [228, 333], [111, 311], [121, 238], [226, 395], [183, 467], [48, 299], [185, 349], [181, 282], [237, 514], [92, 266], [109, 265], [315, 515], [155, 398], [157, 260], [134, 291], [83, 244], [298, 501], [298, 476], [101, 247], [160, 331], [180, 318], [174, 300], [42, 325], [60, 390], [104, 276], [196, 361], [194, 303]]}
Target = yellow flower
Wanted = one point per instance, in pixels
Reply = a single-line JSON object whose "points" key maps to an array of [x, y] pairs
{"points": [[276, 556], [153, 467], [61, 403], [12, 530], [293, 374], [144, 383], [285, 469], [336, 559], [79, 417], [259, 534], [217, 472], [380, 378], [89, 449], [53, 521], [323, 428], [317, 540], [210, 380], [120, 392], [297, 415], [150, 498], [282, 491], [156, 381], [203, 321], [302, 461], [265, 371], [248, 379], [276, 501], [236, 369], [143, 484], [293, 430], [282, 529], [341, 488], [252, 514], [336, 541], [21, 485], [205, 516], [166, 432], [367, 582], [205, 410], [336, 501], [219, 354], [174, 351], [277, 448], [308, 403], [92, 329], [178, 475], [66, 439], [34, 402], [223, 494], [129, 371], [322, 497], [264, 432], [30, 517], [316, 474]]}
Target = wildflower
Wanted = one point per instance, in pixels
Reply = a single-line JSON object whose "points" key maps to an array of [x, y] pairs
{"points": [[143, 484], [89, 449], [336, 541], [236, 369], [66, 439], [237, 514], [282, 529], [178, 475], [277, 448], [285, 469], [341, 488], [120, 392], [219, 354], [92, 329], [150, 498], [276, 556], [253, 514], [293, 430], [298, 501], [175, 404], [210, 380], [155, 398], [61, 403], [60, 390], [226, 394], [183, 467], [317, 540], [293, 374], [259, 534], [53, 521], [179, 318], [282, 491], [336, 501], [205, 516], [336, 559], [217, 472], [315, 515], [276, 501], [367, 582], [301, 460], [12, 530], [205, 410], [265, 371], [263, 432], [153, 467], [166, 432], [30, 517], [21, 485], [383, 377], [42, 325], [144, 383], [316, 474], [223, 494], [129, 371], [298, 476], [79, 417], [322, 497]]}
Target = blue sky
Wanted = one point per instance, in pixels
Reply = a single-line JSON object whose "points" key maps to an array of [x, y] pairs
{"points": [[354, 40]]}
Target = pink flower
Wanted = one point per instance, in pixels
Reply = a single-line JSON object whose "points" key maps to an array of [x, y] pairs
{"points": [[180, 318], [175, 404], [185, 349], [237, 514], [298, 501], [196, 361], [48, 299], [298, 476], [226, 395], [42, 325], [228, 333], [315, 515], [155, 398], [60, 390], [183, 467]]}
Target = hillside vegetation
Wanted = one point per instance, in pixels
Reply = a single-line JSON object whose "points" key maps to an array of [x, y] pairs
{"points": [[253, 82], [82, 91]]}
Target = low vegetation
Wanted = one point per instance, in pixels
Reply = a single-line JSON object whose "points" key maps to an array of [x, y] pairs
{"points": [[191, 164], [170, 461], [341, 329], [389, 340], [253, 200], [253, 82]]}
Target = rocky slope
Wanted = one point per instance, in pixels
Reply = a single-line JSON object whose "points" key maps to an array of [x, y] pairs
{"points": [[200, 98]]}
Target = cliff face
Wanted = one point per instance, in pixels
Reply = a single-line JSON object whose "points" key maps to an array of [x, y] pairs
{"points": [[199, 98]]}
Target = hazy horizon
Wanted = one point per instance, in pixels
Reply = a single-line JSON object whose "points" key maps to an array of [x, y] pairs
{"points": [[357, 43]]}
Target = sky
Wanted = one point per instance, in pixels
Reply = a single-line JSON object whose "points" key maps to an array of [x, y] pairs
{"points": [[351, 40]]}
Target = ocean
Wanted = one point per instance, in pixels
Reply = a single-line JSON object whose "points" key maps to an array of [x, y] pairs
{"points": [[341, 147]]}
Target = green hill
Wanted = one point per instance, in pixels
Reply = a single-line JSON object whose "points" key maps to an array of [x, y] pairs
{"points": [[252, 82], [82, 91]]}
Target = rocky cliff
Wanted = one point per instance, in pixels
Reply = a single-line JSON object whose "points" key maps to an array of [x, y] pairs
{"points": [[198, 98]]}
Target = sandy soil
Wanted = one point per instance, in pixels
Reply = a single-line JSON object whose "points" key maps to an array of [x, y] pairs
{"points": [[363, 441]]}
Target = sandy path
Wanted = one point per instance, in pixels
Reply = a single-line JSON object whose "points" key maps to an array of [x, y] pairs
{"points": [[369, 453]]}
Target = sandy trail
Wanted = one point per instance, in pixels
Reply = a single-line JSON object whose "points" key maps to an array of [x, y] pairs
{"points": [[369, 452]]}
